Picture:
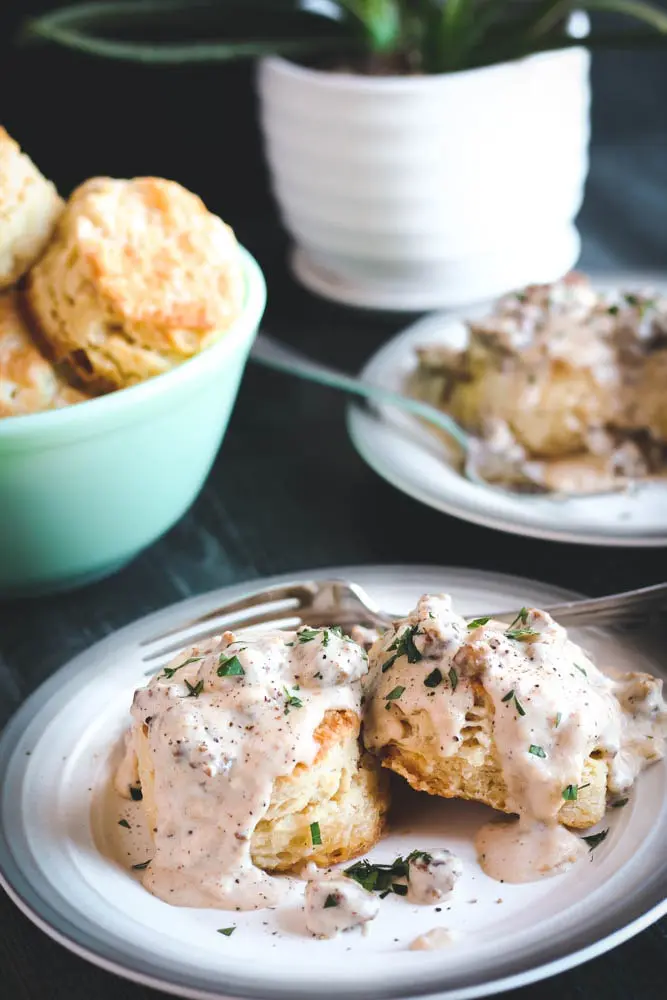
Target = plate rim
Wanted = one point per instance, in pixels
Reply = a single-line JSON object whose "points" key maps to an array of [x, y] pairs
{"points": [[356, 416], [43, 694]]}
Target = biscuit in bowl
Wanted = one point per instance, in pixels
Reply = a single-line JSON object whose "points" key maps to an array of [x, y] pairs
{"points": [[248, 756], [29, 383], [29, 209], [516, 717], [139, 278]]}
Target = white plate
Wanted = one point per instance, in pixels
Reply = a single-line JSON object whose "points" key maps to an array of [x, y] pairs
{"points": [[410, 457], [55, 754]]}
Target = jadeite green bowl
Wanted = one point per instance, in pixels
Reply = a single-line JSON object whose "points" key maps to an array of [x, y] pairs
{"points": [[84, 489]]}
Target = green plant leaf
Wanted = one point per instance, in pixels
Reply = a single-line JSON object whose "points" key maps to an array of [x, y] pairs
{"points": [[381, 20], [272, 26]]}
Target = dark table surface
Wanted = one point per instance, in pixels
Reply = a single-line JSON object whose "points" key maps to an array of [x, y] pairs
{"points": [[287, 491]]}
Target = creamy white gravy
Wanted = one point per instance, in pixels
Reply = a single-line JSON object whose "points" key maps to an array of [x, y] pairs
{"points": [[432, 876], [212, 732], [551, 708], [434, 940], [335, 903]]}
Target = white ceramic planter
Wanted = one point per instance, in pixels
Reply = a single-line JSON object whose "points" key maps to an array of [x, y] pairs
{"points": [[428, 192]]}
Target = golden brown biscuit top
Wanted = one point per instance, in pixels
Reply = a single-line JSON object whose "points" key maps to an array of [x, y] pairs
{"points": [[28, 382], [156, 254]]}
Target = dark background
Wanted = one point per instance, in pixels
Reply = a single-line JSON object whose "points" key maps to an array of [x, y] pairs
{"points": [[287, 491]]}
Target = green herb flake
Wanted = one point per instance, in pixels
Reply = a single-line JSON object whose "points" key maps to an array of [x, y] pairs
{"points": [[570, 793], [400, 890], [169, 672], [596, 839], [619, 803], [508, 696], [382, 878], [581, 670], [307, 634], [227, 931], [453, 678], [315, 835], [194, 690], [291, 701], [536, 751], [404, 645], [330, 901], [519, 707], [230, 666], [613, 310], [135, 793], [558, 719], [395, 693], [433, 679], [337, 631], [478, 622], [521, 617], [521, 634], [123, 822], [142, 864]]}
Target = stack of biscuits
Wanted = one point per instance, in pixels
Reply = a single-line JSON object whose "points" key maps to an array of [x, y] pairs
{"points": [[124, 281]]}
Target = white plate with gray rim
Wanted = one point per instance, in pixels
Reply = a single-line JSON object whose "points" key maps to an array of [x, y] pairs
{"points": [[55, 753], [409, 456]]}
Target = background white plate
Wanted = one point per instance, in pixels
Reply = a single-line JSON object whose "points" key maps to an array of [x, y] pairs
{"points": [[55, 753], [411, 458]]}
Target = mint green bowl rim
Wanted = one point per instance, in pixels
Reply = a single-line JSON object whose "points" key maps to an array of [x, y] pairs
{"points": [[116, 403]]}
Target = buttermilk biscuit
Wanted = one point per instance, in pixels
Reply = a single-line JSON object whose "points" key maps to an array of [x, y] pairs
{"points": [[463, 712], [343, 791], [28, 382], [29, 208], [140, 277]]}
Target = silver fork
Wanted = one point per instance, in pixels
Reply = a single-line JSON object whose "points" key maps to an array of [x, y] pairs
{"points": [[477, 458], [342, 602]]}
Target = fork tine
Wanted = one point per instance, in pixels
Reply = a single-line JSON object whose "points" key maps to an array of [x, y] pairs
{"points": [[299, 594]]}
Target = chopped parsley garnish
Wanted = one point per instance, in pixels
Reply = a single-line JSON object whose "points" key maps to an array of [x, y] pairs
{"points": [[142, 864], [521, 617], [230, 666], [453, 678], [517, 704], [382, 878], [330, 901], [478, 622], [613, 310], [596, 839], [393, 695], [135, 793], [519, 634], [433, 679], [536, 751], [619, 803], [318, 675], [404, 645], [291, 700], [581, 670], [194, 690], [315, 835], [632, 300], [558, 719], [123, 822], [570, 793], [337, 631], [307, 634], [227, 931], [170, 671]]}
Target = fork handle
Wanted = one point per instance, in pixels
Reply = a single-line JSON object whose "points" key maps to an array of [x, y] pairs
{"points": [[272, 354], [616, 609]]}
